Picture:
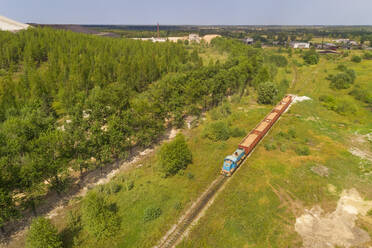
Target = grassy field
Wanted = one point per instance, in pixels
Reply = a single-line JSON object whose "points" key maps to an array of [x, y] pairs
{"points": [[259, 205], [172, 195]]}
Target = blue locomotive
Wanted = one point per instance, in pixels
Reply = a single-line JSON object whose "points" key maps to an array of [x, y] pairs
{"points": [[232, 162]]}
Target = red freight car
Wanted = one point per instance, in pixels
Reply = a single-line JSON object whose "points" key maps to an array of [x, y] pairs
{"points": [[251, 140], [232, 162]]}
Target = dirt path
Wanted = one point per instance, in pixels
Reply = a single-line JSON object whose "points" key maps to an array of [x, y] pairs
{"points": [[294, 80], [54, 204]]}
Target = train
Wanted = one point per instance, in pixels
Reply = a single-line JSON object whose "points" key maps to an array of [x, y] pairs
{"points": [[233, 161]]}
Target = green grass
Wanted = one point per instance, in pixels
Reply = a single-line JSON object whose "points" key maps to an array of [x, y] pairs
{"points": [[259, 204], [174, 194], [248, 213]]}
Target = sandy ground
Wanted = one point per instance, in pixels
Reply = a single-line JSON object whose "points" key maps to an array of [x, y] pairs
{"points": [[338, 228]]}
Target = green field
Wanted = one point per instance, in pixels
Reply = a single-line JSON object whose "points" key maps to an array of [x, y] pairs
{"points": [[259, 205]]}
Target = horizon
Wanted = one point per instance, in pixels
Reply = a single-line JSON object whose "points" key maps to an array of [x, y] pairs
{"points": [[193, 12]]}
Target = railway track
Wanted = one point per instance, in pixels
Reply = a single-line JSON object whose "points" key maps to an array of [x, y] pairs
{"points": [[179, 230], [174, 235]]}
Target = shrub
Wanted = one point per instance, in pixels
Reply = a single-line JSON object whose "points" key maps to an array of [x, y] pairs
{"points": [[267, 92], [342, 80], [356, 59], [341, 67], [99, 216], [178, 206], [278, 60], [237, 132], [43, 233], [341, 106], [270, 147], [221, 112], [283, 148], [217, 131], [174, 156], [113, 188], [292, 133], [129, 185], [367, 55], [151, 213], [302, 150], [361, 94], [190, 176], [311, 57], [345, 106]]}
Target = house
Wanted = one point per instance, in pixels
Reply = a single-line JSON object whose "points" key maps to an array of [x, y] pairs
{"points": [[342, 41], [301, 45], [329, 45]]}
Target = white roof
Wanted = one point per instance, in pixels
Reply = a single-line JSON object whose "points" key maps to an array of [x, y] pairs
{"points": [[7, 24]]}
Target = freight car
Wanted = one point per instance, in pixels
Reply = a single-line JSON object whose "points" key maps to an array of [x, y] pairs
{"points": [[232, 162]]}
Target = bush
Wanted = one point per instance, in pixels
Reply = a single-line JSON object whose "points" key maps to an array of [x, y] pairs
{"points": [[42, 234], [221, 130], [311, 57], [341, 67], [356, 59], [267, 92], [361, 94], [151, 213], [283, 148], [292, 133], [190, 176], [278, 60], [221, 112], [113, 188], [174, 156], [99, 216], [342, 80], [345, 106], [237, 132], [302, 151], [341, 106], [216, 131], [367, 55], [270, 147]]}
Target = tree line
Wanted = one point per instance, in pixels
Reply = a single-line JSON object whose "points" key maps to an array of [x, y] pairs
{"points": [[77, 102]]}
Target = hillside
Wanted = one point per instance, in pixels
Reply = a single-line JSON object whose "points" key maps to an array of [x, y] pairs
{"points": [[7, 24]]}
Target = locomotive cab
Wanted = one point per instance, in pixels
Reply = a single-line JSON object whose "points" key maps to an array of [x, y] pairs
{"points": [[231, 162]]}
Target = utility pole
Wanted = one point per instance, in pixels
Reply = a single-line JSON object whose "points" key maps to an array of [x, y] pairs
{"points": [[158, 31]]}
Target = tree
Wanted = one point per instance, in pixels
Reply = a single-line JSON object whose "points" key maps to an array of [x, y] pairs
{"points": [[43, 234], [356, 59], [8, 208], [311, 57], [341, 81], [50, 157], [174, 156], [267, 92], [99, 216]]}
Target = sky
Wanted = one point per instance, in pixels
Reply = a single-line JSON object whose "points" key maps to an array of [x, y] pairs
{"points": [[193, 12]]}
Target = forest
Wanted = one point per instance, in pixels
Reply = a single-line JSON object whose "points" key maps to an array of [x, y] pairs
{"points": [[74, 102]]}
